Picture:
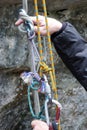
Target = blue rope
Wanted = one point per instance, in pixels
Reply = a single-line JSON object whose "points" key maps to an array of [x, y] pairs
{"points": [[39, 115]]}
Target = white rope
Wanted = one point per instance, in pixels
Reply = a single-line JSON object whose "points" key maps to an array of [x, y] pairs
{"points": [[25, 5], [23, 15], [28, 27]]}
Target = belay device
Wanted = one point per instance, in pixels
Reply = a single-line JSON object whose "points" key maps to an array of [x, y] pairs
{"points": [[37, 80]]}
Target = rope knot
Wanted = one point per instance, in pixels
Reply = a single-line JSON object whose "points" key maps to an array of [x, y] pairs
{"points": [[45, 67]]}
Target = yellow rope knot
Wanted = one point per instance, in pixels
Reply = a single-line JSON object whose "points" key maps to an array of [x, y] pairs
{"points": [[44, 67]]}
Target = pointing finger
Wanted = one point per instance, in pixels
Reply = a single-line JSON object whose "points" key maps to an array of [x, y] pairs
{"points": [[18, 22]]}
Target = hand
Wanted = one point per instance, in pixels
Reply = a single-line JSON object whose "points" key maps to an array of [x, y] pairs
{"points": [[39, 125], [53, 25]]}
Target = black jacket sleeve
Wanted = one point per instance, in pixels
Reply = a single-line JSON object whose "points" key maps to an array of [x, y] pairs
{"points": [[72, 49]]}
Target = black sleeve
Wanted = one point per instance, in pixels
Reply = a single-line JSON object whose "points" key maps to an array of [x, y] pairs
{"points": [[72, 49]]}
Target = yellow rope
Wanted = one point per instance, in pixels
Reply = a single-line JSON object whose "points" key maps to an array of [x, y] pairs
{"points": [[52, 76], [49, 40], [39, 37], [51, 55], [47, 69], [43, 66]]}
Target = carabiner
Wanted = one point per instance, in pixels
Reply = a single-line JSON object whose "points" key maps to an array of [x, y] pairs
{"points": [[27, 26], [46, 109]]}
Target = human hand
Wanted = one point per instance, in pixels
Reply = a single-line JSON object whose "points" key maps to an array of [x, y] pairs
{"points": [[53, 24], [39, 125]]}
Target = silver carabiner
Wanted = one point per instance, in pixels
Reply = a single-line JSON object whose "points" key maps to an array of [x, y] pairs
{"points": [[46, 108], [48, 88], [27, 26]]}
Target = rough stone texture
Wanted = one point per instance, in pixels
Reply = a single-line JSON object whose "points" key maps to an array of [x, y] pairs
{"points": [[14, 58], [52, 5]]}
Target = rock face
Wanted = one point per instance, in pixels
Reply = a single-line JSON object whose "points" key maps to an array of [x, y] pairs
{"points": [[51, 5], [14, 59]]}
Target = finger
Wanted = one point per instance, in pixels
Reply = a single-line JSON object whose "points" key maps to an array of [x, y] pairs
{"points": [[18, 22], [36, 29], [33, 18], [35, 122], [37, 127], [37, 19], [42, 30]]}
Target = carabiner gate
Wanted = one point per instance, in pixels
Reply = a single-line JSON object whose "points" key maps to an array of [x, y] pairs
{"points": [[46, 109]]}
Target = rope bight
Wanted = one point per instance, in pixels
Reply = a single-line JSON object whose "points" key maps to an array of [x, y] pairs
{"points": [[37, 79]]}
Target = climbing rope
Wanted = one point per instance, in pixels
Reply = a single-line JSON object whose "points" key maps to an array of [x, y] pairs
{"points": [[27, 27], [52, 71], [37, 80], [25, 5], [39, 35], [49, 41]]}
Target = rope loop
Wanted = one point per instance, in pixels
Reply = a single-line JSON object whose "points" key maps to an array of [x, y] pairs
{"points": [[36, 116]]}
